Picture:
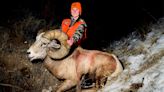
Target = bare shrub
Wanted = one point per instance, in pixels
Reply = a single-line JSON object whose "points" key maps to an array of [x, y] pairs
{"points": [[28, 27]]}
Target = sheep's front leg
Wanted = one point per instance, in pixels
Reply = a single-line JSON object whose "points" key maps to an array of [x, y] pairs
{"points": [[78, 85], [67, 84]]}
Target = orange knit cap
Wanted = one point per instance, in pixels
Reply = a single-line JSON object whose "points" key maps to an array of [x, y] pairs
{"points": [[76, 5]]}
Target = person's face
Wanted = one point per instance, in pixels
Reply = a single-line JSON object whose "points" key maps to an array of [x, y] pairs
{"points": [[75, 12]]}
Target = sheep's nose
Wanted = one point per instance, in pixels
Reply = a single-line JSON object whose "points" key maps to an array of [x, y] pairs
{"points": [[28, 52]]}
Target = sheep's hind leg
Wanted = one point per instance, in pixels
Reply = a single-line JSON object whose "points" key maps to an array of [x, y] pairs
{"points": [[102, 74], [88, 81], [66, 85]]}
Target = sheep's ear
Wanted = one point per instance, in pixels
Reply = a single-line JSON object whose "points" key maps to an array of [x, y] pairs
{"points": [[54, 44]]}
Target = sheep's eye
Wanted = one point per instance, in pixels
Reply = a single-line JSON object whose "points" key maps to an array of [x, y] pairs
{"points": [[43, 44]]}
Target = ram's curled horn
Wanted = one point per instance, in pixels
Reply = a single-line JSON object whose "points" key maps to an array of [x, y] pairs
{"points": [[62, 38]]}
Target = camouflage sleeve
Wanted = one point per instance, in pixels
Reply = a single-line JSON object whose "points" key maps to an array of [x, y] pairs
{"points": [[79, 32]]}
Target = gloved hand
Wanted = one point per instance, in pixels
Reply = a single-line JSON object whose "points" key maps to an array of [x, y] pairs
{"points": [[70, 41]]}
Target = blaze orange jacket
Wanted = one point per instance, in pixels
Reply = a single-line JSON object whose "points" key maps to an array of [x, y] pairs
{"points": [[70, 30]]}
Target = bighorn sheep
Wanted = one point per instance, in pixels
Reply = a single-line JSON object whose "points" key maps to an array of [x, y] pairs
{"points": [[72, 67]]}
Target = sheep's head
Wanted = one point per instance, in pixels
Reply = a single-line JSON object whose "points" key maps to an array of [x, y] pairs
{"points": [[46, 44]]}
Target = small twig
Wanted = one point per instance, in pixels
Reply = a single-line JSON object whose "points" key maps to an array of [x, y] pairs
{"points": [[9, 85]]}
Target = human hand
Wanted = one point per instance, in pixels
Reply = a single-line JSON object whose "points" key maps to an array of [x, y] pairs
{"points": [[70, 41]]}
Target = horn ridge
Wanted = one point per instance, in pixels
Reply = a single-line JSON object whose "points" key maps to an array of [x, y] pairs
{"points": [[62, 38]]}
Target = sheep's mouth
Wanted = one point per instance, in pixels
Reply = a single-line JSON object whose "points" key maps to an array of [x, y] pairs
{"points": [[36, 60], [31, 58]]}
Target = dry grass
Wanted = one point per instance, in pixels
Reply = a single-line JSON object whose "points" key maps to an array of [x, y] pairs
{"points": [[20, 75], [17, 73], [27, 27]]}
